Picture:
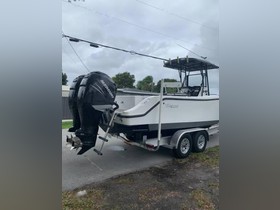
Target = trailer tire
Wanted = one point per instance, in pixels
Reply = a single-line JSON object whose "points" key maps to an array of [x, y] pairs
{"points": [[200, 139], [184, 146]]}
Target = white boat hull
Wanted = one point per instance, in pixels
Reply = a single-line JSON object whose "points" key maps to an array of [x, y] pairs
{"points": [[177, 112]]}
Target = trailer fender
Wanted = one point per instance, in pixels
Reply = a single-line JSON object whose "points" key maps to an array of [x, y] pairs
{"points": [[177, 135]]}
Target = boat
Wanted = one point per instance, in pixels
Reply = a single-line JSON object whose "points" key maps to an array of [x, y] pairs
{"points": [[139, 115], [190, 107]]}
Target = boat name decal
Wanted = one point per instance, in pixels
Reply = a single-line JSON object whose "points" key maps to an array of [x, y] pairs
{"points": [[172, 106]]}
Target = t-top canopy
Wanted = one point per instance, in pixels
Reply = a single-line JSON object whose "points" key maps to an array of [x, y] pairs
{"points": [[189, 64]]}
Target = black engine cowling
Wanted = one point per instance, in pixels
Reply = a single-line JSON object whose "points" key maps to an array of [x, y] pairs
{"points": [[72, 102], [96, 94]]}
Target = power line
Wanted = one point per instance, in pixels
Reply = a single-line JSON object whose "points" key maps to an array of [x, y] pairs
{"points": [[68, 56], [192, 52], [176, 15], [66, 53], [77, 55], [136, 25], [94, 44]]}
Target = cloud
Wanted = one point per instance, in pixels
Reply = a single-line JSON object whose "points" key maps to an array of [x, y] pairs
{"points": [[134, 26]]}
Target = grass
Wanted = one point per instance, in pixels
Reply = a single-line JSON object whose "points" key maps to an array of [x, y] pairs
{"points": [[67, 124], [123, 180], [92, 200], [208, 158], [202, 200]]}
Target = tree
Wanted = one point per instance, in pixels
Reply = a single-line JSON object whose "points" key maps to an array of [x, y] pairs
{"points": [[169, 90], [146, 84], [124, 80], [64, 79]]}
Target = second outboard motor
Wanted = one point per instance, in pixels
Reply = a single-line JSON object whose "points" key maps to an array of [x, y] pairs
{"points": [[96, 94], [72, 102]]}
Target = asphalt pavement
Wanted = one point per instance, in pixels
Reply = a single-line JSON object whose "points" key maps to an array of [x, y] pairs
{"points": [[118, 158]]}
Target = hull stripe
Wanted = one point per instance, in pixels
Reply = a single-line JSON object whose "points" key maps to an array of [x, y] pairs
{"points": [[165, 99]]}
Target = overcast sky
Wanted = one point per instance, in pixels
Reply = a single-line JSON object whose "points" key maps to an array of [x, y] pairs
{"points": [[154, 27]]}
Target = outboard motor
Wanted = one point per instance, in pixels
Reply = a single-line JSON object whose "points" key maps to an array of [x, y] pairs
{"points": [[72, 102], [96, 94]]}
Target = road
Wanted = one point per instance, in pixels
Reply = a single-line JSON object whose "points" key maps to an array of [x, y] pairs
{"points": [[118, 158]]}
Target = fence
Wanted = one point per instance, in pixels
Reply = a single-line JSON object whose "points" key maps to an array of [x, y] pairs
{"points": [[66, 114]]}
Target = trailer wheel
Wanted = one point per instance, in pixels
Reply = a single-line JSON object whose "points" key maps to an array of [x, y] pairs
{"points": [[184, 146], [200, 141]]}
